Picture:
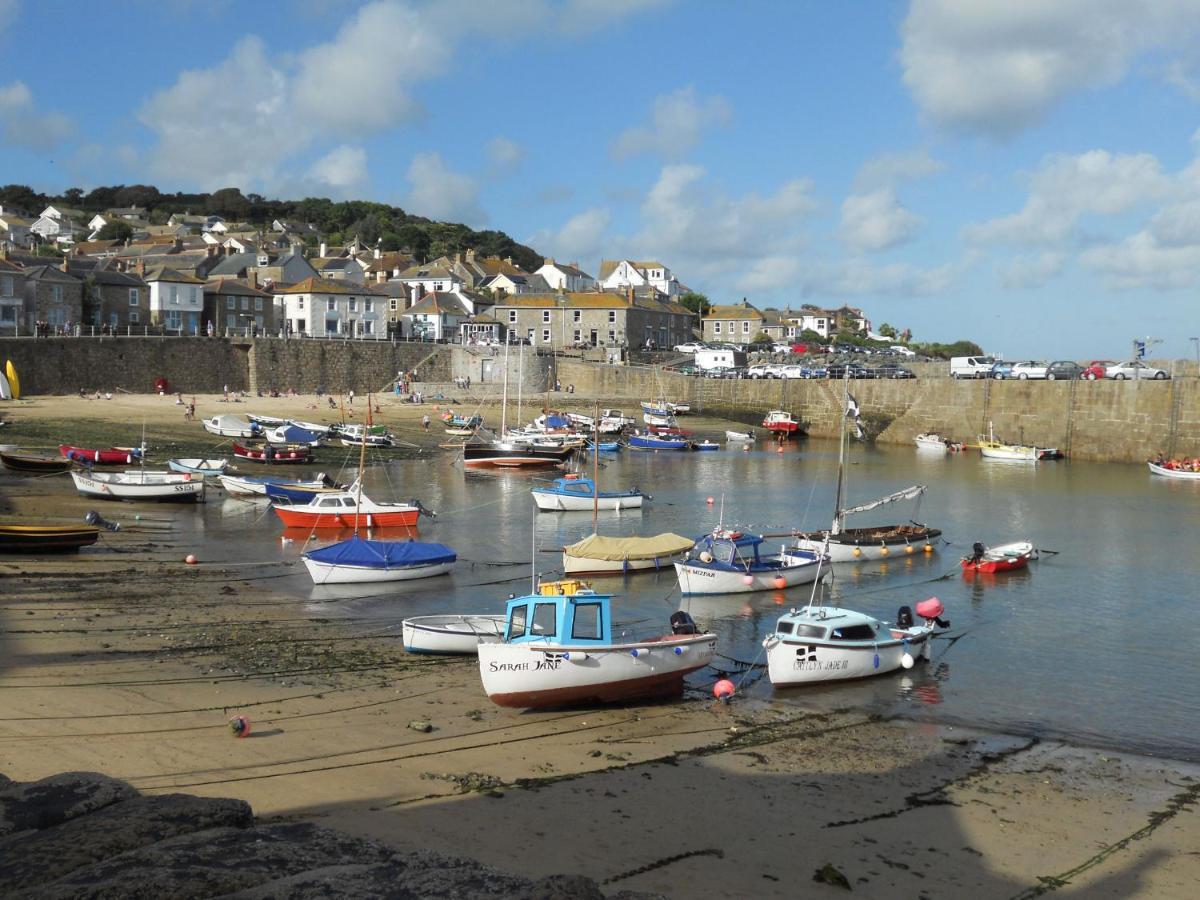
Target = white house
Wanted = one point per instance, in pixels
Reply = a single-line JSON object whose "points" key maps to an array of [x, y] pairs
{"points": [[176, 299], [818, 320], [435, 316], [321, 307], [619, 274], [563, 277], [15, 229], [431, 278], [59, 229]]}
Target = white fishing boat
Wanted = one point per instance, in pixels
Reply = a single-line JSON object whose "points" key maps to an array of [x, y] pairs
{"points": [[1168, 472], [729, 562], [157, 486], [451, 634], [212, 467], [575, 493], [745, 437], [829, 643], [362, 436], [358, 560], [256, 485], [559, 649], [231, 426], [931, 440], [871, 542]]}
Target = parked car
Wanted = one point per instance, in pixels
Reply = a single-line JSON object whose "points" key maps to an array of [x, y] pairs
{"points": [[1001, 369], [793, 371], [971, 366], [1064, 370], [894, 370], [760, 370], [1030, 368], [902, 350], [1096, 369], [1134, 369], [853, 369], [690, 347]]}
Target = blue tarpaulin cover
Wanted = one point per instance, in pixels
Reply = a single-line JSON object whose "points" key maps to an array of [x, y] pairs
{"points": [[294, 434], [363, 552]]}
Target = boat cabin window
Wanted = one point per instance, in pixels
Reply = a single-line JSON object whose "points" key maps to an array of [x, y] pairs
{"points": [[587, 622], [854, 633], [329, 501], [810, 631], [784, 627], [545, 616], [348, 501], [517, 622]]}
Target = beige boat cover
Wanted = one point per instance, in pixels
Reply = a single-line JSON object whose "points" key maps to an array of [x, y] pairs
{"points": [[597, 546]]}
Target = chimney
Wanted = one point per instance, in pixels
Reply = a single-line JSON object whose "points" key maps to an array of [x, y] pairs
{"points": [[63, 264], [548, 261], [380, 276], [177, 244], [378, 249], [471, 255], [252, 278], [458, 256], [629, 293], [140, 268], [211, 250], [323, 249]]}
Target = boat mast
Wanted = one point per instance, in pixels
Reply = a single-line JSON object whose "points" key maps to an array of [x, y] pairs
{"points": [[504, 396], [362, 461], [838, 515], [596, 467], [520, 380]]}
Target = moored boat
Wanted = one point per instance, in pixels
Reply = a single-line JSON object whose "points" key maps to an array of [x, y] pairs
{"points": [[295, 492], [364, 436], [346, 509], [198, 466], [113, 456], [781, 422], [155, 486], [574, 492], [1001, 558], [559, 650], [740, 436], [931, 440], [655, 442], [1167, 468], [256, 485], [829, 643], [33, 462], [991, 447], [289, 433], [231, 426], [599, 554], [508, 454], [46, 538], [729, 562], [451, 633], [275, 454], [360, 560]]}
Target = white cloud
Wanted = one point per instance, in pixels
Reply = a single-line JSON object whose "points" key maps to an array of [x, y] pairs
{"points": [[676, 121], [889, 169], [21, 125], [1024, 272], [996, 66], [437, 192], [876, 221], [504, 155], [581, 237], [343, 169], [1140, 261], [1065, 188]]}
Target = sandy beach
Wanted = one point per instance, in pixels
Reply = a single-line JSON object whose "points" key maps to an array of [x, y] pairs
{"points": [[131, 663]]}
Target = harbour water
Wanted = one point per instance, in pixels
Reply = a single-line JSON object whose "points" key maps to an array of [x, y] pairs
{"points": [[1093, 643]]}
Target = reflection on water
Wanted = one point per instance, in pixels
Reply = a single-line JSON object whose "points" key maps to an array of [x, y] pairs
{"points": [[1094, 641]]}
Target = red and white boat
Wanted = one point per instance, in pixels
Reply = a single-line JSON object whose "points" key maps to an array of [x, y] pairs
{"points": [[781, 422], [346, 509], [275, 453], [113, 456], [1002, 558]]}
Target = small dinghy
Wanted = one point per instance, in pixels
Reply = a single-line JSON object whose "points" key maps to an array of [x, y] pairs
{"points": [[1001, 558], [742, 436], [273, 454], [34, 462], [198, 466], [256, 485], [113, 456], [451, 634]]}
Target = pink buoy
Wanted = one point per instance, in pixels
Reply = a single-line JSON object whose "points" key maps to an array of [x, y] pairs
{"points": [[723, 689], [747, 579], [930, 609], [708, 500], [240, 726], [780, 582], [190, 559]]}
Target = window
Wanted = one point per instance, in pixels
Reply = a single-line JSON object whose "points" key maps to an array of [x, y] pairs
{"points": [[299, 303], [245, 304], [810, 631], [258, 304], [612, 316], [587, 622], [393, 304], [134, 297], [8, 314], [6, 286], [368, 305], [731, 329], [174, 320], [57, 317], [300, 324], [784, 627], [331, 305], [576, 315], [353, 304], [174, 295], [517, 622], [612, 336], [545, 619], [258, 320], [578, 335], [745, 328], [56, 293], [545, 335], [854, 633], [512, 317], [438, 286], [133, 317], [366, 326], [716, 327], [529, 335], [231, 303]]}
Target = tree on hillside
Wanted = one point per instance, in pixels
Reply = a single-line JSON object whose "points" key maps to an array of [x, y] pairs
{"points": [[696, 302], [115, 231], [22, 197], [413, 239], [887, 330], [229, 203], [73, 197]]}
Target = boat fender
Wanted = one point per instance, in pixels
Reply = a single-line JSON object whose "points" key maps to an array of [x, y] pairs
{"points": [[679, 651], [575, 656], [930, 609], [705, 556], [906, 660], [638, 651], [94, 518]]}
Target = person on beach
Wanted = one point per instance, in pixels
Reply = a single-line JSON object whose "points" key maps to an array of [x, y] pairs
{"points": [[425, 421]]}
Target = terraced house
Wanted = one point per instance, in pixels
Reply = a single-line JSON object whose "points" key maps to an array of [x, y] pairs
{"points": [[239, 307], [596, 319], [176, 299], [319, 307], [736, 323], [53, 298], [12, 297]]}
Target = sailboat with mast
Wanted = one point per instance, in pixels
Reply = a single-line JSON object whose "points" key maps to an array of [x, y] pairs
{"points": [[506, 453], [875, 541], [359, 560]]}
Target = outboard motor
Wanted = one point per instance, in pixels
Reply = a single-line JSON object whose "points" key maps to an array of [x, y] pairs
{"points": [[94, 518], [904, 618], [421, 509], [683, 623], [977, 551]]}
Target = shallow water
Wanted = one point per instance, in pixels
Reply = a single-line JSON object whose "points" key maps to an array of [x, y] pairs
{"points": [[1095, 642]]}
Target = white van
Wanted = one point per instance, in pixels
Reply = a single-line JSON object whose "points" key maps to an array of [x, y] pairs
{"points": [[720, 359], [971, 366]]}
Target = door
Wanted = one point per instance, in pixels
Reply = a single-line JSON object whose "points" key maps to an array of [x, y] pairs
{"points": [[594, 335]]}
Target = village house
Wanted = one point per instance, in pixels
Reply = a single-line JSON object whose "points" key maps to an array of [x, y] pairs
{"points": [[58, 224], [563, 277], [112, 299], [429, 278], [15, 229], [435, 317], [736, 323], [597, 319], [176, 299], [53, 298], [12, 297], [473, 270], [506, 283], [238, 307], [323, 308], [620, 274]]}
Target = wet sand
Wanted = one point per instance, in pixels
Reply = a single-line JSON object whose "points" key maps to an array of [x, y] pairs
{"points": [[127, 661]]}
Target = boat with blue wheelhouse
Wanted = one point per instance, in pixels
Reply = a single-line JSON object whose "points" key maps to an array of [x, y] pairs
{"points": [[657, 442], [575, 492], [559, 649], [731, 562], [359, 560], [293, 492]]}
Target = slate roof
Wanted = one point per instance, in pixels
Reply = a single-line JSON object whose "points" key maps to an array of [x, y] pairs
{"points": [[438, 302], [166, 273], [235, 288], [734, 311], [326, 286], [49, 273]]}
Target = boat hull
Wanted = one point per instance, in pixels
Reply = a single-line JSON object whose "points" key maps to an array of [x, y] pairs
{"points": [[552, 501], [539, 676], [1002, 558], [46, 538], [294, 518], [110, 457], [451, 634], [28, 462], [212, 467], [582, 565], [794, 661], [504, 455], [698, 578], [281, 455], [152, 489], [643, 442], [326, 573], [1182, 474], [858, 545]]}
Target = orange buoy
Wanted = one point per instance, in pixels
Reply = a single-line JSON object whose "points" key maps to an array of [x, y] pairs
{"points": [[190, 559], [723, 689], [780, 582], [240, 726]]}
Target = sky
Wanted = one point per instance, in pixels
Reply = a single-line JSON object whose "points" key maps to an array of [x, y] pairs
{"points": [[1019, 173]]}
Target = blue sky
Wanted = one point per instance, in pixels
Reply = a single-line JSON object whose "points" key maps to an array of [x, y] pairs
{"points": [[1020, 173]]}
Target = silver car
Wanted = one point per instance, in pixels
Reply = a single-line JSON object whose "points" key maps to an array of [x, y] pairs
{"points": [[1029, 369], [1134, 369]]}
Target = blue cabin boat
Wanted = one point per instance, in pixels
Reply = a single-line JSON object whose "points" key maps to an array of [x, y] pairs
{"points": [[730, 562], [291, 492], [654, 442], [574, 492]]}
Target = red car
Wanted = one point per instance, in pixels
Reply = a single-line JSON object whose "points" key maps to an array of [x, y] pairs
{"points": [[1095, 369]]}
